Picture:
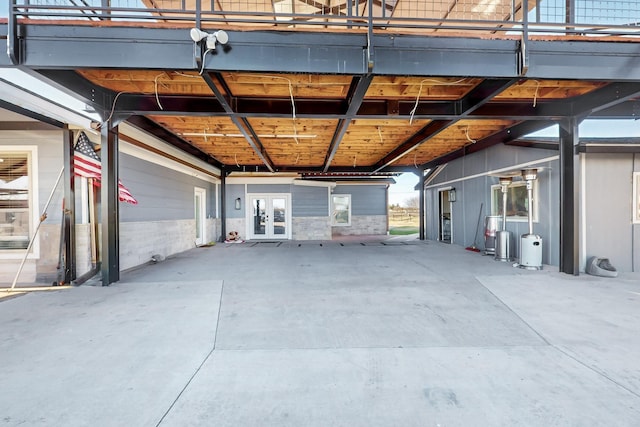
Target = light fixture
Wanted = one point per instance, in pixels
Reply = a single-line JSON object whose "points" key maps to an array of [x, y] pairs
{"points": [[505, 181], [238, 203], [529, 174], [452, 195], [239, 135], [220, 36]]}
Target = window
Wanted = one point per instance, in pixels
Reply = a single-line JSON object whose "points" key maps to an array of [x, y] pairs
{"points": [[14, 200], [517, 202], [341, 210], [636, 197]]}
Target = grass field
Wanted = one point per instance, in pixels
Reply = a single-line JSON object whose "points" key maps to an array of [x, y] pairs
{"points": [[403, 223]]}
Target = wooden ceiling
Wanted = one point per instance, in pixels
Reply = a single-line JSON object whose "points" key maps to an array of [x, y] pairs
{"points": [[304, 141]]}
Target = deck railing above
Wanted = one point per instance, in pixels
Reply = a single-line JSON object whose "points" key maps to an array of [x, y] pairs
{"points": [[445, 17]]}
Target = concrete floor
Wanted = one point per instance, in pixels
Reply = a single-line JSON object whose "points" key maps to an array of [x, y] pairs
{"points": [[350, 333]]}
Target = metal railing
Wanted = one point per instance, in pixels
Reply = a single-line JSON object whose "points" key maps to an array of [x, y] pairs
{"points": [[499, 17]]}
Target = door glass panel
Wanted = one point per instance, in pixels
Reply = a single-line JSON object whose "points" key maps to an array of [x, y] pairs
{"points": [[198, 218], [279, 216], [259, 216]]}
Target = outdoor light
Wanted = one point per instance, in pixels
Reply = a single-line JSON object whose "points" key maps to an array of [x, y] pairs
{"points": [[219, 36], [238, 203], [503, 237], [530, 244], [529, 174], [452, 195]]}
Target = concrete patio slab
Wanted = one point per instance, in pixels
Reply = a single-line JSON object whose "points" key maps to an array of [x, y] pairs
{"points": [[324, 334], [461, 387], [103, 356]]}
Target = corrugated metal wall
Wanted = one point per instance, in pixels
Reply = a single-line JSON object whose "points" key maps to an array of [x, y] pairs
{"points": [[365, 199], [162, 193], [469, 176], [309, 201], [609, 229]]}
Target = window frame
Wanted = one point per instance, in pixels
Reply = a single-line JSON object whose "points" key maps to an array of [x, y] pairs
{"points": [[33, 202], [496, 190], [334, 213]]}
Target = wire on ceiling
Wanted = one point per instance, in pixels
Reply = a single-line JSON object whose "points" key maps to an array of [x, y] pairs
{"points": [[155, 87], [466, 133], [535, 95], [293, 104], [438, 83]]}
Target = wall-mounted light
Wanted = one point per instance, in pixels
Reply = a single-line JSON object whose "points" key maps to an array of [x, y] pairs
{"points": [[238, 203], [219, 36], [452, 195]]}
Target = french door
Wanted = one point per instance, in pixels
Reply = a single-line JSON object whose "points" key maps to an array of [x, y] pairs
{"points": [[269, 216]]}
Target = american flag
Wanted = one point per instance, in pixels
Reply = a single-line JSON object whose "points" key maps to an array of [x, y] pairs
{"points": [[87, 164]]}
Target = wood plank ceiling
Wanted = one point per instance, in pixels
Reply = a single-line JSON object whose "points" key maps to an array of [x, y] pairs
{"points": [[304, 141]]}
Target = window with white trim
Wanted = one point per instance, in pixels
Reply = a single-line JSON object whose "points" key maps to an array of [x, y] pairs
{"points": [[341, 210], [636, 197], [15, 198], [517, 201]]}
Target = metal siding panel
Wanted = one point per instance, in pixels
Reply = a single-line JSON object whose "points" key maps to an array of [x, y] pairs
{"points": [[233, 192], [365, 199], [309, 201], [162, 193], [608, 208]]}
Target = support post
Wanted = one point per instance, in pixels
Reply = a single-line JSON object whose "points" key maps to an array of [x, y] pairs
{"points": [[223, 205], [69, 209], [109, 210], [421, 210], [569, 197]]}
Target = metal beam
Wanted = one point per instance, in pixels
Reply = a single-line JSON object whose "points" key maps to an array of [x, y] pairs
{"points": [[109, 210], [534, 143], [604, 98], [422, 233], [223, 204], [172, 49], [474, 99], [77, 86], [357, 91], [430, 130], [78, 46], [583, 60], [69, 216], [242, 124], [569, 197], [444, 56]]}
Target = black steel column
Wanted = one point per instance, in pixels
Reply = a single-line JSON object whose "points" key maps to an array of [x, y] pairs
{"points": [[569, 197], [422, 207], [109, 210], [223, 205], [69, 210]]}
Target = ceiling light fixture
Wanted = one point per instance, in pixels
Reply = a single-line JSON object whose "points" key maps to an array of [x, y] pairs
{"points": [[239, 135]]}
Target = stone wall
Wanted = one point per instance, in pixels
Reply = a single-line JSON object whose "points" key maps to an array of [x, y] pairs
{"points": [[363, 225], [311, 228], [140, 240]]}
